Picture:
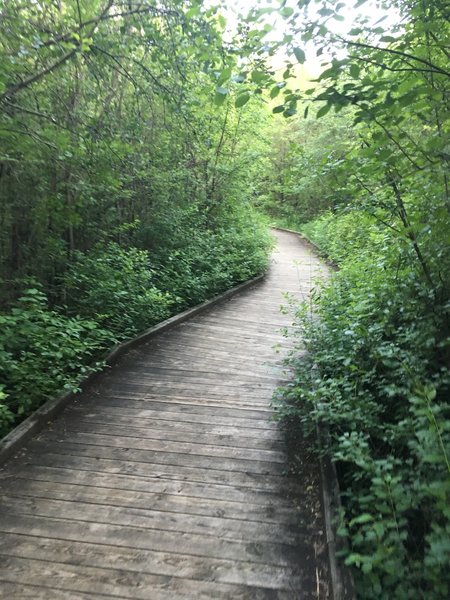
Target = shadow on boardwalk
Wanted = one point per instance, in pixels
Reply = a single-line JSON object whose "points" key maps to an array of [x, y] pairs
{"points": [[167, 479]]}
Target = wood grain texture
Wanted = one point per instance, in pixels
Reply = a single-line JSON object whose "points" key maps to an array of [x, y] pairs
{"points": [[168, 477]]}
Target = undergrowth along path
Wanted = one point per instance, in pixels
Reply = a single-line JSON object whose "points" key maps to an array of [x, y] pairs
{"points": [[167, 479]]}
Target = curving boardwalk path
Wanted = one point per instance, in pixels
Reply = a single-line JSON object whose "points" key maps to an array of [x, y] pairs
{"points": [[167, 480]]}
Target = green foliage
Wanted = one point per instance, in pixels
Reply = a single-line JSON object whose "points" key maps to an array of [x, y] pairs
{"points": [[114, 285], [351, 233], [209, 262], [377, 374], [306, 170], [124, 190], [377, 379], [42, 353]]}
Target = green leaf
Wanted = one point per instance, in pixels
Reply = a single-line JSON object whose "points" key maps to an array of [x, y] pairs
{"points": [[354, 71], [219, 98], [299, 55], [263, 11], [242, 99], [258, 76], [323, 111], [289, 112], [278, 109], [274, 92], [193, 12], [325, 12], [224, 76], [388, 39], [364, 518], [305, 114], [287, 12], [328, 73]]}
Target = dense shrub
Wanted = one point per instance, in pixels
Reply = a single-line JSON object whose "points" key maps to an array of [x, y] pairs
{"points": [[212, 261], [351, 233], [42, 353], [114, 286]]}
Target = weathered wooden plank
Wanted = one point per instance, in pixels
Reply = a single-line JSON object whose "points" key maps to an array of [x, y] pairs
{"points": [[113, 460], [137, 430], [229, 347], [145, 408], [161, 464], [123, 584], [245, 407], [187, 339], [217, 365], [226, 528], [190, 397], [163, 371], [105, 417], [194, 379], [235, 319], [83, 472], [149, 387], [148, 561], [189, 544], [239, 334], [246, 363], [246, 457], [33, 592], [176, 500], [163, 406]]}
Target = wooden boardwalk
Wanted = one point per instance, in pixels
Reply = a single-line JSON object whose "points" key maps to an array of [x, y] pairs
{"points": [[166, 479]]}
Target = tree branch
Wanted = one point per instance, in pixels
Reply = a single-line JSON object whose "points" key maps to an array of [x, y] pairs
{"points": [[37, 76], [50, 68], [64, 37], [434, 68]]}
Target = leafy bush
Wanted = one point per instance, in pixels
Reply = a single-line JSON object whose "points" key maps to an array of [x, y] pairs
{"points": [[114, 286], [211, 262], [42, 353], [348, 234], [377, 378]]}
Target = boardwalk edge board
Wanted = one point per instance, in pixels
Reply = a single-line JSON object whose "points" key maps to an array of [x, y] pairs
{"points": [[341, 578], [343, 587], [14, 441]]}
